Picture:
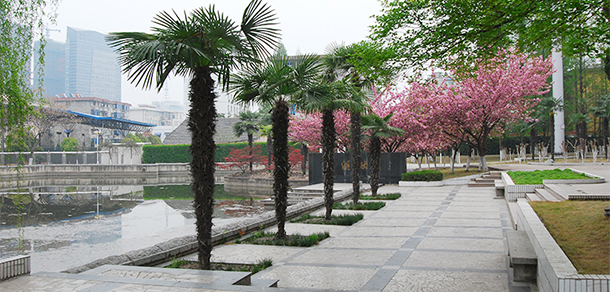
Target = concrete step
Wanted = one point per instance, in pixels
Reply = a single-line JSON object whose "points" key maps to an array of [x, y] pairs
{"points": [[561, 191], [492, 176], [264, 283], [547, 196], [484, 180], [481, 184], [533, 197]]}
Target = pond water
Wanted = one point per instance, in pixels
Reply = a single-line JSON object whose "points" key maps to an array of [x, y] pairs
{"points": [[61, 227]]}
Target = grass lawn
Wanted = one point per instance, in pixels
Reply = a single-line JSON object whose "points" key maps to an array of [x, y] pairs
{"points": [[537, 176], [581, 230]]}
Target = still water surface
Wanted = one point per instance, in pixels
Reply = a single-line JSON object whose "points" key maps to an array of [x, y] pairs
{"points": [[61, 227]]}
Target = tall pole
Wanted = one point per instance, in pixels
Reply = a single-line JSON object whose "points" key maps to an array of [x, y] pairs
{"points": [[558, 95]]}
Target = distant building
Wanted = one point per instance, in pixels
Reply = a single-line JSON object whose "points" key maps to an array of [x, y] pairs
{"points": [[92, 67], [54, 84], [94, 106], [166, 120]]}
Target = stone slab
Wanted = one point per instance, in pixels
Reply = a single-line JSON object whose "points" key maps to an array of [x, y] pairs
{"points": [[464, 244], [456, 260], [320, 277], [433, 281], [358, 231], [352, 257]]}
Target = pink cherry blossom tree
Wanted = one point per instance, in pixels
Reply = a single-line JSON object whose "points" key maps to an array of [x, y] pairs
{"points": [[499, 91]]}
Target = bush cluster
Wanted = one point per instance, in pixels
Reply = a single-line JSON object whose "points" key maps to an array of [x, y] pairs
{"points": [[181, 153], [422, 175]]}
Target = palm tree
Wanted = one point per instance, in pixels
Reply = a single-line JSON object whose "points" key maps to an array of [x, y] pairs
{"points": [[327, 98], [198, 45], [273, 83], [339, 66], [377, 128], [267, 131], [248, 124]]}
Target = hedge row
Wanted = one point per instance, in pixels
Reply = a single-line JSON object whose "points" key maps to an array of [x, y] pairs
{"points": [[181, 153], [422, 175]]}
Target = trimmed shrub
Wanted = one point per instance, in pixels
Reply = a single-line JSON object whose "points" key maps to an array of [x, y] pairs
{"points": [[422, 175]]}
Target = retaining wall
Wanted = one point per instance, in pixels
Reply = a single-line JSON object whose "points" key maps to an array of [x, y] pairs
{"points": [[555, 271], [256, 186]]}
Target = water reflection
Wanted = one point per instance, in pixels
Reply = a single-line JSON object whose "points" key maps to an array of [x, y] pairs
{"points": [[67, 226]]}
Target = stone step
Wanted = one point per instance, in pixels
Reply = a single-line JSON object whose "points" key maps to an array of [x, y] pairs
{"points": [[492, 176], [481, 184], [167, 279], [533, 197], [561, 191], [484, 180], [547, 196]]}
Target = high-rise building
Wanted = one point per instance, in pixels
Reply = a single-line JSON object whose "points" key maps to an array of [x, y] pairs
{"points": [[92, 67], [54, 84]]}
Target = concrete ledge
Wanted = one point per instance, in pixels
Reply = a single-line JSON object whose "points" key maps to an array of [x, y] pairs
{"points": [[421, 183], [188, 244], [15, 266], [555, 271]]}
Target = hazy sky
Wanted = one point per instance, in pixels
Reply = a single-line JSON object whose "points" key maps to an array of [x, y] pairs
{"points": [[308, 26]]}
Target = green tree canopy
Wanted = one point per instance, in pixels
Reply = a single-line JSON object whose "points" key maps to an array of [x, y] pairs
{"points": [[449, 30]]}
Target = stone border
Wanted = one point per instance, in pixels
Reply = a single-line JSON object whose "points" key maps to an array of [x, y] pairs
{"points": [[165, 251], [14, 266], [448, 182], [556, 273], [513, 191]]}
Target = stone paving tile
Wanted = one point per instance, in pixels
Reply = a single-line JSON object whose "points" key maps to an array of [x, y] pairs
{"points": [[403, 214], [465, 208], [473, 215], [466, 244], [33, 283], [320, 277], [457, 260], [363, 242], [479, 222], [150, 288], [380, 231], [487, 232], [447, 281], [393, 222], [251, 253], [353, 257], [408, 208], [150, 275]]}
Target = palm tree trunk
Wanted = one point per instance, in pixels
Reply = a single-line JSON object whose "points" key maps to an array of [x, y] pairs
{"points": [[355, 133], [202, 125], [375, 150], [279, 119], [328, 159]]}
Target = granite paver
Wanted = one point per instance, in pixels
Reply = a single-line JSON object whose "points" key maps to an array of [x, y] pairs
{"points": [[446, 238]]}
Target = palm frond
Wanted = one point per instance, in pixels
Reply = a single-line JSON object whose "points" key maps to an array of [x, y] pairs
{"points": [[258, 26]]}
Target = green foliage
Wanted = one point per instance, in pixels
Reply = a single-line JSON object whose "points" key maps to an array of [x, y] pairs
{"points": [[69, 144], [21, 23], [392, 196], [344, 219], [537, 176], [268, 238], [371, 206], [422, 175], [181, 153], [154, 139]]}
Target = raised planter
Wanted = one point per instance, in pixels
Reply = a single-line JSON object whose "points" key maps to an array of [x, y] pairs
{"points": [[513, 191], [556, 273], [421, 183]]}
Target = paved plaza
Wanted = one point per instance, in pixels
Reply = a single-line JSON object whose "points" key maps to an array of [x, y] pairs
{"points": [[447, 238]]}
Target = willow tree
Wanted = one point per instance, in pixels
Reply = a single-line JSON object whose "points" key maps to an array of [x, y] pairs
{"points": [[198, 45]]}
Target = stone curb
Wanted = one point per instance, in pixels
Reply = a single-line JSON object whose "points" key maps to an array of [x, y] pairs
{"points": [[188, 244]]}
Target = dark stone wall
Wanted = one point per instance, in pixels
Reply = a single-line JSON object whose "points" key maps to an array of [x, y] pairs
{"points": [[392, 166]]}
